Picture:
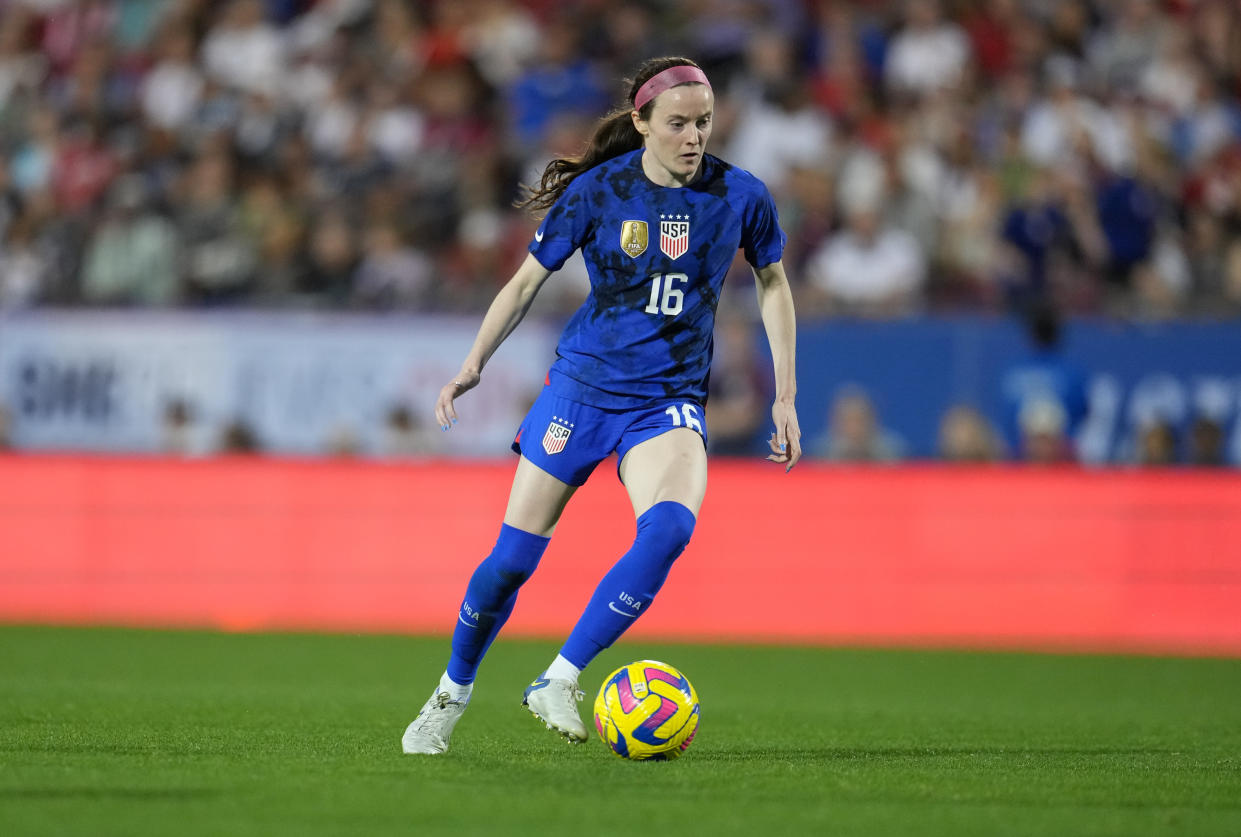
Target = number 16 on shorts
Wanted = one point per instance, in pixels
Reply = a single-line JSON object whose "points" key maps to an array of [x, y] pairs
{"points": [[685, 416]]}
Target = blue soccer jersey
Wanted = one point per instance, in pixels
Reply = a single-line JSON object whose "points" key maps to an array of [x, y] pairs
{"points": [[657, 257]]}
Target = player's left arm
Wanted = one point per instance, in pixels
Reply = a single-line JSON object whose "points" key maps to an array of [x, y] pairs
{"points": [[775, 305]]}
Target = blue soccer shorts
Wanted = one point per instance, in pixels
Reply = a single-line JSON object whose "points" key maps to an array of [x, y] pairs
{"points": [[567, 439]]}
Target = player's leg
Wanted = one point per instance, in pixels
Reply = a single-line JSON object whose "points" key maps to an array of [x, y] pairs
{"points": [[536, 501], [560, 442], [535, 504], [666, 478]]}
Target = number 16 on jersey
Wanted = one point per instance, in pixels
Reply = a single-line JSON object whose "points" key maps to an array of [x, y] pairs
{"points": [[666, 296]]}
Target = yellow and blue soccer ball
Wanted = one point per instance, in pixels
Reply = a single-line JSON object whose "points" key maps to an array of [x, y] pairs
{"points": [[647, 711]]}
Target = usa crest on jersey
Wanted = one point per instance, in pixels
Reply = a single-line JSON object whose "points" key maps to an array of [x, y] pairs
{"points": [[674, 235], [557, 435]]}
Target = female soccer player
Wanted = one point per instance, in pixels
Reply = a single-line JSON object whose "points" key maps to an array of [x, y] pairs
{"points": [[659, 222]]}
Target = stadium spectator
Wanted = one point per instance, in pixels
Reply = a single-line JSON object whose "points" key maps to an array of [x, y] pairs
{"points": [[131, 258], [1053, 239], [405, 435], [219, 255], [392, 274], [393, 126], [1157, 443], [867, 269], [738, 390], [173, 88], [10, 198], [1205, 443], [461, 161], [911, 179], [1128, 210], [502, 37], [359, 171], [1065, 127], [966, 437], [343, 442], [928, 52], [6, 429], [990, 26], [810, 214], [1043, 432], [1121, 51], [854, 432], [82, 166], [333, 121], [1044, 395], [243, 50], [847, 46], [239, 438], [332, 259], [1159, 285], [181, 432], [627, 32], [560, 81], [968, 253], [1170, 82], [58, 242], [24, 270], [778, 129], [1070, 25], [1230, 293], [22, 70]]}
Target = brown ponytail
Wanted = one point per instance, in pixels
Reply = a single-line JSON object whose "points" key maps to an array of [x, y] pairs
{"points": [[614, 135]]}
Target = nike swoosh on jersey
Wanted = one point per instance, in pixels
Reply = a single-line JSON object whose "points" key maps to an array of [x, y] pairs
{"points": [[616, 609], [538, 235]]}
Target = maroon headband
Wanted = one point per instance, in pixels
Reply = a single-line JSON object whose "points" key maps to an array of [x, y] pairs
{"points": [[671, 77]]}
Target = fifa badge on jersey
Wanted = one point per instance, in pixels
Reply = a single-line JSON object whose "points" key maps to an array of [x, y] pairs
{"points": [[557, 435], [674, 235], [633, 238]]}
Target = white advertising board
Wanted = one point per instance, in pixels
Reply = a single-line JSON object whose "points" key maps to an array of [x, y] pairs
{"points": [[303, 384]]}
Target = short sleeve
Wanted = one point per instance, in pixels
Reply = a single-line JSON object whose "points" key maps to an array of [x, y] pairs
{"points": [[564, 228], [762, 239]]}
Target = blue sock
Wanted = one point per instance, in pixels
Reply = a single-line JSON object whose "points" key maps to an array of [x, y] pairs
{"points": [[490, 597], [626, 591]]}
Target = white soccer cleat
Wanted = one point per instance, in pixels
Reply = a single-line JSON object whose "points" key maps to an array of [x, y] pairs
{"points": [[430, 731], [554, 702]]}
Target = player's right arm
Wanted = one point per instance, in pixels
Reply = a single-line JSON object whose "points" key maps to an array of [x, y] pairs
{"points": [[505, 312]]}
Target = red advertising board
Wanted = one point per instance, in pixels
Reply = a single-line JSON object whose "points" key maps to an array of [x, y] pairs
{"points": [[1070, 559]]}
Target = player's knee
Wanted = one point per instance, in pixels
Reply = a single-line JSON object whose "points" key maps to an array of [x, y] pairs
{"points": [[513, 560], [667, 526], [512, 570]]}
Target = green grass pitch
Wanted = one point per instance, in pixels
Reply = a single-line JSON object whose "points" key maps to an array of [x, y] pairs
{"points": [[117, 732]]}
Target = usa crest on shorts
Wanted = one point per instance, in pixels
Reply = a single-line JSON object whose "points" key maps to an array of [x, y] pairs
{"points": [[557, 435], [674, 235]]}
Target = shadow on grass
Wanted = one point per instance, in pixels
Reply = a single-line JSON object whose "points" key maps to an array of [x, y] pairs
{"points": [[827, 755], [1049, 758], [112, 748], [150, 794]]}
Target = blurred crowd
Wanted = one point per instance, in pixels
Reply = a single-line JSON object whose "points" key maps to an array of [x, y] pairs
{"points": [[926, 155]]}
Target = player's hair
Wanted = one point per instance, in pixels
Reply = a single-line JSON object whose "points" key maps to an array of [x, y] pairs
{"points": [[614, 135]]}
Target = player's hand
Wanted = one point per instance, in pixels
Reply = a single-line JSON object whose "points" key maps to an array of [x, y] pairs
{"points": [[445, 412], [785, 442]]}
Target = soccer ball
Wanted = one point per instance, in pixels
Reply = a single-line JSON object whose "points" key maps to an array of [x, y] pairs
{"points": [[647, 711]]}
